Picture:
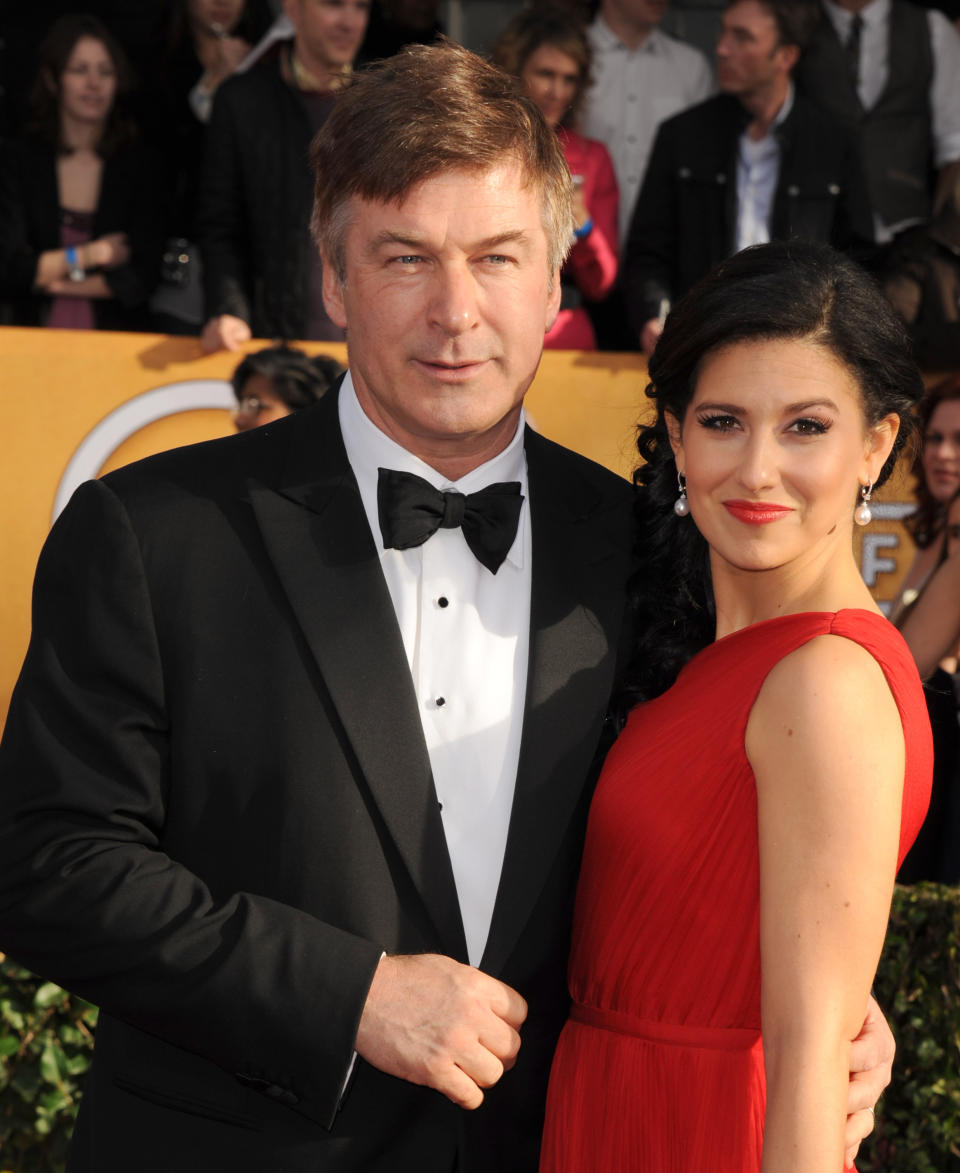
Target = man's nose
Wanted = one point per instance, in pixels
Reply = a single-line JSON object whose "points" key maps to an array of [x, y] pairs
{"points": [[454, 302]]}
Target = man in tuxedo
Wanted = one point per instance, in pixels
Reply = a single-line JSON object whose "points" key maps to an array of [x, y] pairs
{"points": [[295, 776]]}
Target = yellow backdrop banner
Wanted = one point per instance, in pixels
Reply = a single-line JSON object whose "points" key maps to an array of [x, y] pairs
{"points": [[76, 404]]}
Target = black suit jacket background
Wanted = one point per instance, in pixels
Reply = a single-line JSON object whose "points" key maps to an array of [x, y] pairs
{"points": [[684, 221]]}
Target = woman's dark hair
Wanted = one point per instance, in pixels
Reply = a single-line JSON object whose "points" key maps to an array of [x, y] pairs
{"points": [[297, 379], [55, 52], [928, 520], [531, 29], [774, 291]]}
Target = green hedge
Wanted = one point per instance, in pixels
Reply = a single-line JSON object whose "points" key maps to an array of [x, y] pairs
{"points": [[918, 986], [46, 1039]]}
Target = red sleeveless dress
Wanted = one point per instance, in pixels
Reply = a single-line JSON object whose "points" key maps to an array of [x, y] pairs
{"points": [[660, 1066]]}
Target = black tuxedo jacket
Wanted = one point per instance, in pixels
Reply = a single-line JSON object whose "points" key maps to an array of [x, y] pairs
{"points": [[216, 806]]}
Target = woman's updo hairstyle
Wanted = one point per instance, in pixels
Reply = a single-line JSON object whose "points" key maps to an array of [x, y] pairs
{"points": [[782, 290]]}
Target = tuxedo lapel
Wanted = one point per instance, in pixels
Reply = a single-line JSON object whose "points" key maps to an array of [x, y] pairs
{"points": [[316, 533], [581, 552]]}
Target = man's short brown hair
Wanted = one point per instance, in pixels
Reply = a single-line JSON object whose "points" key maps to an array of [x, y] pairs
{"points": [[427, 110]]}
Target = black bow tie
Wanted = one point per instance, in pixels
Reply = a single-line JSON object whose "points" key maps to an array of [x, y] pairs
{"points": [[412, 510]]}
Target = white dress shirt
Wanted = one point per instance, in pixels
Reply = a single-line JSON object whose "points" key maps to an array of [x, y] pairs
{"points": [[875, 69], [758, 169], [466, 634], [633, 91]]}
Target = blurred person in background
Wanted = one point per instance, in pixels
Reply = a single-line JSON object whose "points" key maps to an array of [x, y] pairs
{"points": [[261, 274], [921, 276], [889, 72], [937, 475], [928, 614], [641, 76], [757, 162], [550, 54], [80, 217], [277, 381], [203, 42]]}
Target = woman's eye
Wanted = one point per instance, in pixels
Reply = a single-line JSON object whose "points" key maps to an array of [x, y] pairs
{"points": [[719, 423], [809, 427]]}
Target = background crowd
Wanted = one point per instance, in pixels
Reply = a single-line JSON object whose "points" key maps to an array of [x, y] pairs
{"points": [[154, 171]]}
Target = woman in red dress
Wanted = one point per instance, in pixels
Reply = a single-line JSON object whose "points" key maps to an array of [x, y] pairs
{"points": [[748, 823], [550, 54]]}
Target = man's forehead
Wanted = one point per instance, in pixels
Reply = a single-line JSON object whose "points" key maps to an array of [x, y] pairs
{"points": [[500, 193]]}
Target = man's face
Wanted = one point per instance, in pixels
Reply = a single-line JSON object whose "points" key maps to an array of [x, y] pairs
{"points": [[750, 57], [446, 301], [328, 32]]}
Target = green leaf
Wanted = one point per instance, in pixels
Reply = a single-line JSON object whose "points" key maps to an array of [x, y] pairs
{"points": [[47, 995], [50, 1063]]}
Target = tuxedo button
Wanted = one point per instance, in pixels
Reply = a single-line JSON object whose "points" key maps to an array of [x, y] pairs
{"points": [[443, 601], [440, 702]]}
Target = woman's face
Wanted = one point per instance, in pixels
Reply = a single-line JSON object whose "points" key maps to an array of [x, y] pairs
{"points": [[216, 16], [941, 451], [551, 79], [88, 84], [259, 404], [774, 445]]}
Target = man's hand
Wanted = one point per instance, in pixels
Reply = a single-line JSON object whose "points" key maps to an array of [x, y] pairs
{"points": [[430, 1020], [650, 335], [225, 332], [871, 1067]]}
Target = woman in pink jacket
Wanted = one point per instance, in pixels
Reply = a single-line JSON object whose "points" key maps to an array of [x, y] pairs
{"points": [[550, 54]]}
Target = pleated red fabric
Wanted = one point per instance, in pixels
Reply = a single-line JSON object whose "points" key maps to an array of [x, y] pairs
{"points": [[660, 1067]]}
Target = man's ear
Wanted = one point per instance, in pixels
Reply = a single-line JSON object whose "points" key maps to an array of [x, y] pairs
{"points": [[790, 55], [553, 302], [333, 295]]}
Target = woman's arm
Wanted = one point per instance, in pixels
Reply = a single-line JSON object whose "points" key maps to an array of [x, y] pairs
{"points": [[826, 745], [53, 267], [93, 285], [593, 258], [932, 629]]}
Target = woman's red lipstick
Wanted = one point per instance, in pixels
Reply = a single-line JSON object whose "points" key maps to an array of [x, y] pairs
{"points": [[756, 512]]}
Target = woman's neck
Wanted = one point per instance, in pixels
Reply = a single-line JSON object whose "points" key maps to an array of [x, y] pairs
{"points": [[826, 583], [78, 135]]}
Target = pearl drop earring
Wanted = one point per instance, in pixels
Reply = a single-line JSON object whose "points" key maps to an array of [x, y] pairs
{"points": [[681, 507], [863, 514]]}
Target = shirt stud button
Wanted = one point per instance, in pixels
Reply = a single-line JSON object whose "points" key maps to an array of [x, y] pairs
{"points": [[440, 702], [443, 601]]}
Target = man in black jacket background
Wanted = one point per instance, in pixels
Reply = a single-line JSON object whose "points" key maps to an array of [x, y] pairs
{"points": [[757, 162], [262, 277]]}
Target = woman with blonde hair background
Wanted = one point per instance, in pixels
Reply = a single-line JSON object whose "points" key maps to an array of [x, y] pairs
{"points": [[550, 54]]}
